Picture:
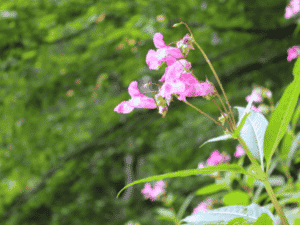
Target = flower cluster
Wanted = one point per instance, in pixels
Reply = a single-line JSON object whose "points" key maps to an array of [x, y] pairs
{"points": [[203, 206], [292, 9], [257, 95], [177, 79], [156, 192]]}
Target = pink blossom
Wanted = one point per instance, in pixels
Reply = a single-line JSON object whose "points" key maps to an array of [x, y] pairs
{"points": [[293, 53], [256, 109], [164, 53], [201, 165], [176, 70], [203, 206], [263, 108], [156, 192], [239, 151], [137, 100], [200, 208], [214, 159], [255, 96], [185, 44], [292, 9]]}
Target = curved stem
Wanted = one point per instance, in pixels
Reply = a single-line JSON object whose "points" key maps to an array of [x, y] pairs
{"points": [[229, 123], [216, 76], [186, 102]]}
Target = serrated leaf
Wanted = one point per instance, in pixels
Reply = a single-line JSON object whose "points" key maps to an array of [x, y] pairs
{"points": [[253, 132], [222, 215], [280, 119], [186, 173]]}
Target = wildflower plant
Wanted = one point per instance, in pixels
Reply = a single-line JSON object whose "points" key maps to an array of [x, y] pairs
{"points": [[258, 138]]}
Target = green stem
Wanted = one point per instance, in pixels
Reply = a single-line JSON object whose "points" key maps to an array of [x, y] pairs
{"points": [[265, 180], [275, 202]]}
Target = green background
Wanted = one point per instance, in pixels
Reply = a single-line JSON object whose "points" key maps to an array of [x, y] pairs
{"points": [[65, 65]]}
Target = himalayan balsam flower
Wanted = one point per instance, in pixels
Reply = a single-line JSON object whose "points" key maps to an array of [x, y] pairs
{"points": [[214, 159], [203, 206], [156, 192], [293, 53], [164, 53], [137, 100], [239, 151], [185, 44], [255, 96], [259, 109], [292, 9]]}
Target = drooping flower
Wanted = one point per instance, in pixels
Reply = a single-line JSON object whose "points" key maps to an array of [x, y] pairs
{"points": [[239, 151], [293, 53], [164, 53], [137, 100]]}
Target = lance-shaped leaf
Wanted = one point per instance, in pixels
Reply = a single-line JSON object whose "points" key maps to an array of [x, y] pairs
{"points": [[253, 132], [186, 173], [223, 215], [223, 137], [280, 119]]}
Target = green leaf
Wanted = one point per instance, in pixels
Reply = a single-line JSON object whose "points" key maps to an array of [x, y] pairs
{"points": [[237, 197], [224, 137], [296, 69], [186, 173], [287, 142], [225, 214], [280, 119], [165, 213], [293, 149], [253, 131], [295, 117], [264, 219], [212, 188]]}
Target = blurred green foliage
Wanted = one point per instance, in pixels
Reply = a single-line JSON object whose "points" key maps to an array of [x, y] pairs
{"points": [[65, 65]]}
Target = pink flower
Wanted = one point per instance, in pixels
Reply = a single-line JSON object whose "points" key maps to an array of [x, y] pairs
{"points": [[164, 53], [293, 53], [214, 159], [137, 100], [185, 44], [201, 165], [255, 96], [292, 9], [239, 151], [203, 206], [156, 192], [200, 208], [256, 109]]}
